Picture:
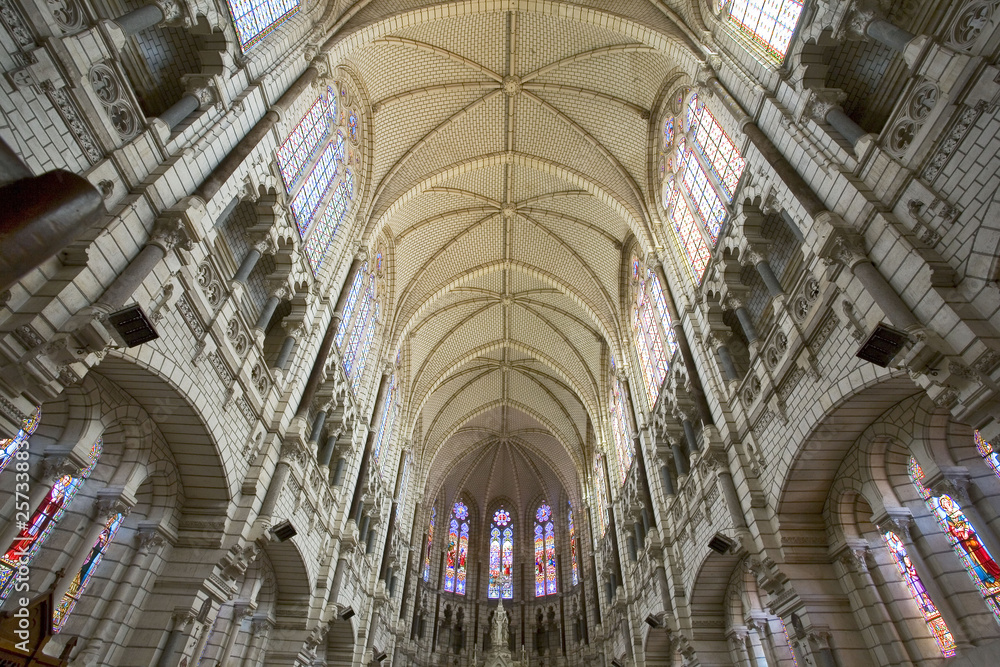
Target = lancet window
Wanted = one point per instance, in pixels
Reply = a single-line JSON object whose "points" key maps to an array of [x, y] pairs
{"points": [[314, 164], [458, 549], [601, 490], [767, 24], [620, 431], [9, 447], [30, 539], [978, 561], [986, 450], [386, 423], [501, 573], [545, 552], [82, 579], [357, 326], [256, 19], [938, 628], [430, 544], [655, 341], [702, 170], [574, 569]]}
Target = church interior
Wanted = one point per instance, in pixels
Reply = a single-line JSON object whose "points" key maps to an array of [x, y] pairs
{"points": [[499, 333]]}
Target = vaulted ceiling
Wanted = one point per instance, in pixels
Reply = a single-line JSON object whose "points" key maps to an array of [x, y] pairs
{"points": [[513, 145]]}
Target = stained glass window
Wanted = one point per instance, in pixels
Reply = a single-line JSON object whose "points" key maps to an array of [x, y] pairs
{"points": [[365, 349], [30, 539], [385, 424], [985, 449], [352, 299], [309, 197], [976, 558], [303, 141], [10, 446], [650, 323], [692, 242], [545, 552], [574, 569], [939, 630], [718, 150], [352, 123], [788, 642], [458, 549], [255, 19], [668, 132], [620, 430], [501, 580], [706, 202], [767, 23], [86, 573], [430, 544], [600, 481]]}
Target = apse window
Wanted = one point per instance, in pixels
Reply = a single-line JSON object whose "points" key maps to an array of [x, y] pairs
{"points": [[256, 19]]}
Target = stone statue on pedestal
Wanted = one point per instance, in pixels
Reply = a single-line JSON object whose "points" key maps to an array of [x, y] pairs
{"points": [[499, 653]]}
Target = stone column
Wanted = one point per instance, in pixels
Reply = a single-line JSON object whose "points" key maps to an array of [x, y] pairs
{"points": [[163, 12], [725, 357], [317, 428], [184, 107], [824, 105], [269, 307], [738, 646], [260, 631], [746, 322], [167, 234], [241, 609], [863, 22], [182, 621], [381, 397], [689, 436], [771, 282], [326, 452], [667, 479], [758, 657], [250, 261], [850, 252], [282, 471], [868, 608], [41, 215], [287, 347], [680, 457]]}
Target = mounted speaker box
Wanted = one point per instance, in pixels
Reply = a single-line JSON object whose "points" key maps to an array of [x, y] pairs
{"points": [[720, 543], [284, 531], [882, 345], [133, 326]]}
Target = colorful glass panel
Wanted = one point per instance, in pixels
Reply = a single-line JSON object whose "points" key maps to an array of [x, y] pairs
{"points": [[719, 152], [691, 241], [305, 138], [82, 579], [788, 642], [493, 591], [620, 429], [574, 569], [767, 23], [451, 555], [539, 562], [30, 539], [939, 630], [356, 336], [507, 564], [668, 133], [352, 124], [430, 544], [463, 555], [339, 146], [656, 292], [550, 558], [668, 193], [256, 19], [706, 202], [352, 299], [10, 446], [365, 349], [315, 186], [986, 450], [653, 358], [982, 568], [600, 481]]}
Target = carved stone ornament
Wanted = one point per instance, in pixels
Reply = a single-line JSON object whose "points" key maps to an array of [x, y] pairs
{"points": [[169, 232], [109, 90], [822, 101]]}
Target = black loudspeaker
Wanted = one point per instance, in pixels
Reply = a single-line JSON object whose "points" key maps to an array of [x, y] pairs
{"points": [[284, 531], [882, 345], [133, 326], [720, 543], [616, 663], [652, 621], [379, 655], [347, 614]]}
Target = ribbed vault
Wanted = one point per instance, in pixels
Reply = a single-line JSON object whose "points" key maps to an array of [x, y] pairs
{"points": [[512, 145]]}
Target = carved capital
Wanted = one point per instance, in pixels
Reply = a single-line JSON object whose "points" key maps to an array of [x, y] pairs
{"points": [[822, 101], [173, 16], [56, 467], [111, 501], [149, 540], [170, 232], [897, 520], [848, 250]]}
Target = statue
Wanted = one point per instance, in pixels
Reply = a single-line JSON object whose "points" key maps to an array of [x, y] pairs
{"points": [[500, 628]]}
